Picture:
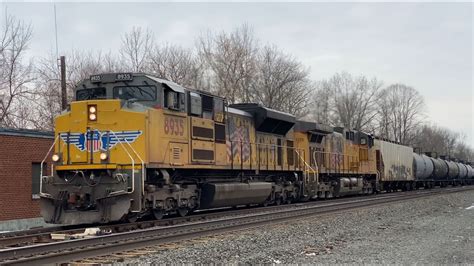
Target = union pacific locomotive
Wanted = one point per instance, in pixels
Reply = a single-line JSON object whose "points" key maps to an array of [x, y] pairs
{"points": [[133, 145]]}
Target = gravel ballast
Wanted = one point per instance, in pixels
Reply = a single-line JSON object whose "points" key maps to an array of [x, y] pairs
{"points": [[438, 230]]}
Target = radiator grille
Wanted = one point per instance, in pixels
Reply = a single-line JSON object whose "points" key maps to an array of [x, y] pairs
{"points": [[176, 153]]}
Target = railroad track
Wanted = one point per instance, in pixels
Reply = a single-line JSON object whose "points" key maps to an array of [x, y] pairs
{"points": [[70, 250], [43, 235]]}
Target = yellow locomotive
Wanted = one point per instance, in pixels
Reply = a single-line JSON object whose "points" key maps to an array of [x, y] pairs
{"points": [[132, 145]]}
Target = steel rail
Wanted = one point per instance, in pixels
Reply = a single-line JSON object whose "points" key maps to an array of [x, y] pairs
{"points": [[82, 248]]}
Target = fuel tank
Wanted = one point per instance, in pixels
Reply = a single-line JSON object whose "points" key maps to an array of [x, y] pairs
{"points": [[232, 194], [440, 169], [422, 166]]}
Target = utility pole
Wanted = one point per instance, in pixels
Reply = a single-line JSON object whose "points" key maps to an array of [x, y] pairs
{"points": [[63, 83]]}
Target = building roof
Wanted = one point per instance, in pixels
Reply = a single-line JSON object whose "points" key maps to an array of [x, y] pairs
{"points": [[23, 132]]}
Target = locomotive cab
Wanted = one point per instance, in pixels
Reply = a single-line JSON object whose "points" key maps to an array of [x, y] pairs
{"points": [[99, 152], [118, 144]]}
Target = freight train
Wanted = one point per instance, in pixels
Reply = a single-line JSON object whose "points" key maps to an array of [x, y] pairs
{"points": [[133, 145]]}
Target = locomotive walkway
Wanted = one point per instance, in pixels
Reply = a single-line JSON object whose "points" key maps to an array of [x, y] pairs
{"points": [[69, 250]]}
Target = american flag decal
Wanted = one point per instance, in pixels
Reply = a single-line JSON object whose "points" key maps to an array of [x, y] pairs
{"points": [[241, 143], [238, 144]]}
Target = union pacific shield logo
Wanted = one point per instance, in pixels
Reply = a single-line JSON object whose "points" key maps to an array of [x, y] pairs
{"points": [[95, 140]]}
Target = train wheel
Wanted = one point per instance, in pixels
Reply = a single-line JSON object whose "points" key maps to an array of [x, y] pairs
{"points": [[158, 214], [320, 195], [407, 187], [265, 204], [278, 201], [327, 195], [132, 217], [183, 211]]}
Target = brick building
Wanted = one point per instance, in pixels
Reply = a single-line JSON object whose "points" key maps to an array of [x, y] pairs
{"points": [[21, 153]]}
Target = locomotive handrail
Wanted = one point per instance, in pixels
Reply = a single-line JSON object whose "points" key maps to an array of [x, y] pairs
{"points": [[134, 151], [315, 172], [316, 165], [41, 167], [341, 165], [268, 146], [133, 163]]}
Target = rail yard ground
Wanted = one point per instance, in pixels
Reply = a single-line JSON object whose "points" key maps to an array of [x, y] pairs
{"points": [[438, 229]]}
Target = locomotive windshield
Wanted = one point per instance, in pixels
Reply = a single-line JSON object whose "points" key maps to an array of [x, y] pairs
{"points": [[89, 94], [139, 93]]}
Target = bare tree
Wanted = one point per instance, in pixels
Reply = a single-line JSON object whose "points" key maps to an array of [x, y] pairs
{"points": [[80, 65], [443, 141], [231, 59], [176, 64], [400, 110], [463, 152], [429, 139], [136, 47], [350, 100], [321, 105], [15, 73], [109, 62], [281, 82]]}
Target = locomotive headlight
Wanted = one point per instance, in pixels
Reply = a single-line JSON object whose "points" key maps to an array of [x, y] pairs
{"points": [[92, 117], [92, 112], [55, 157], [103, 156]]}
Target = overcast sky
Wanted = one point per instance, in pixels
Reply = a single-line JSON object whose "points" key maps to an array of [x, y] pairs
{"points": [[426, 45]]}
